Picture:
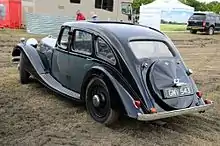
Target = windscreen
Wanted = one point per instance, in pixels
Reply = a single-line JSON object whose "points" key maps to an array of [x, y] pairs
{"points": [[149, 49], [198, 17]]}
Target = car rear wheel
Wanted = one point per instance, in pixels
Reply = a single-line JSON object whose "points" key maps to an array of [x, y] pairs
{"points": [[98, 102], [193, 31], [211, 31], [24, 75]]}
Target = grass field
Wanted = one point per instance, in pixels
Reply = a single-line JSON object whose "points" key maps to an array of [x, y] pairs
{"points": [[172, 27], [32, 115]]}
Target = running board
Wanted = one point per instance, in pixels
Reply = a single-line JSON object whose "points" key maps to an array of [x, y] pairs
{"points": [[51, 82]]}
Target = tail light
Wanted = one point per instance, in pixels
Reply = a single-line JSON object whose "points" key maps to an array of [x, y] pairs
{"points": [[137, 104], [204, 23], [199, 94], [153, 110]]}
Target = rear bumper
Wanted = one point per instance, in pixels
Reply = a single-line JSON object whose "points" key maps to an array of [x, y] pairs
{"points": [[162, 115], [197, 28]]}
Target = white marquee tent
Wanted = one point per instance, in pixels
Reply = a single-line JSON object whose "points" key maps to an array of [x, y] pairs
{"points": [[168, 10], [168, 5]]}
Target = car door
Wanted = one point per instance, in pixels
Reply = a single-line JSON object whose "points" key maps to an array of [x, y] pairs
{"points": [[60, 57], [80, 58], [217, 24]]}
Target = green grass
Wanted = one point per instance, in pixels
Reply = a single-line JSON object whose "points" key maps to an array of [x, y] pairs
{"points": [[172, 27]]}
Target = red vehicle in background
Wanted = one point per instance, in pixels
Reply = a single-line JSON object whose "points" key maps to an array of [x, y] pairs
{"points": [[10, 14]]}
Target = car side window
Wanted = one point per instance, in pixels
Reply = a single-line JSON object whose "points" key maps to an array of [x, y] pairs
{"points": [[208, 18], [83, 42], [104, 51], [213, 18], [218, 19], [63, 43]]}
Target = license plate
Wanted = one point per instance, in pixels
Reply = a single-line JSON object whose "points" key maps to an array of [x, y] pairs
{"points": [[178, 91], [196, 27]]}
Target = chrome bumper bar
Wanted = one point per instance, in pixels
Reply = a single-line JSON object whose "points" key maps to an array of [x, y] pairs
{"points": [[162, 115]]}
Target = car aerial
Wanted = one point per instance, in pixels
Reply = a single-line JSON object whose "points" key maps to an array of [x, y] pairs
{"points": [[204, 22], [114, 68]]}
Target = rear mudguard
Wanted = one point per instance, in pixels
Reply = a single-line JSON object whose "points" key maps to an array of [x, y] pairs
{"points": [[126, 98]]}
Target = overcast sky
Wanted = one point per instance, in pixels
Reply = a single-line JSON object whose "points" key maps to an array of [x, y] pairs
{"points": [[208, 0]]}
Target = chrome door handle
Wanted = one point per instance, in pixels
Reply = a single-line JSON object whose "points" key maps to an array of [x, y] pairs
{"points": [[89, 59]]}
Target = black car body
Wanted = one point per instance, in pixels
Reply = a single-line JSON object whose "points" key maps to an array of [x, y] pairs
{"points": [[204, 22], [115, 68]]}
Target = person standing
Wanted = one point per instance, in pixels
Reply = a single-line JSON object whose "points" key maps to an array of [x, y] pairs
{"points": [[94, 16], [80, 16]]}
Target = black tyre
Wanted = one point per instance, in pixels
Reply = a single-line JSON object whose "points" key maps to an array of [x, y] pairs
{"points": [[193, 31], [98, 102], [211, 30], [24, 75]]}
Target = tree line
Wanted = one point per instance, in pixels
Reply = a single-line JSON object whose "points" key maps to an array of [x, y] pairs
{"points": [[213, 6]]}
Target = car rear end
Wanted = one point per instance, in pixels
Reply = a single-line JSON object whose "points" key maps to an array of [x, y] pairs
{"points": [[197, 22], [166, 80]]}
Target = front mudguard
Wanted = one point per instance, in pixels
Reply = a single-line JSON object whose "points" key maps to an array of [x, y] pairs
{"points": [[32, 58]]}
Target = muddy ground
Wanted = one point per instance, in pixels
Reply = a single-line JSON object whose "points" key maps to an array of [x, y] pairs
{"points": [[33, 115]]}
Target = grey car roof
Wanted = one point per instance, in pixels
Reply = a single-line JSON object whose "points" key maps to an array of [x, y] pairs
{"points": [[122, 30], [120, 33]]}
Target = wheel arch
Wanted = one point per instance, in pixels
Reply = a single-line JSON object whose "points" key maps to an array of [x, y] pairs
{"points": [[16, 52], [212, 25], [123, 96]]}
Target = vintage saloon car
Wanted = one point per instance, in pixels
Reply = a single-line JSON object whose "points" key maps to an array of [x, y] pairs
{"points": [[114, 68]]}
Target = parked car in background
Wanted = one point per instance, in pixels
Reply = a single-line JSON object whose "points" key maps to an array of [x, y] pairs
{"points": [[115, 68], [204, 22]]}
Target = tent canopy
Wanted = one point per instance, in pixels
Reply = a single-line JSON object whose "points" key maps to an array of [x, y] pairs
{"points": [[167, 4]]}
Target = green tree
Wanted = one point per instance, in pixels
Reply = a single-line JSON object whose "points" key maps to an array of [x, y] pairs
{"points": [[194, 3], [213, 6], [137, 3], [199, 6]]}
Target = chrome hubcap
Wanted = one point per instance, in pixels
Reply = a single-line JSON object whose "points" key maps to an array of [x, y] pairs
{"points": [[211, 31], [96, 100]]}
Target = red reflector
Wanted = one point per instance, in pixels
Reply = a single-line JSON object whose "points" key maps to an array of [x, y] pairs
{"points": [[153, 110], [204, 24], [137, 103], [199, 94]]}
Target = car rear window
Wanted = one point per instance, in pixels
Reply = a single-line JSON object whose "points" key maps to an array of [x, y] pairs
{"points": [[150, 49], [198, 17]]}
